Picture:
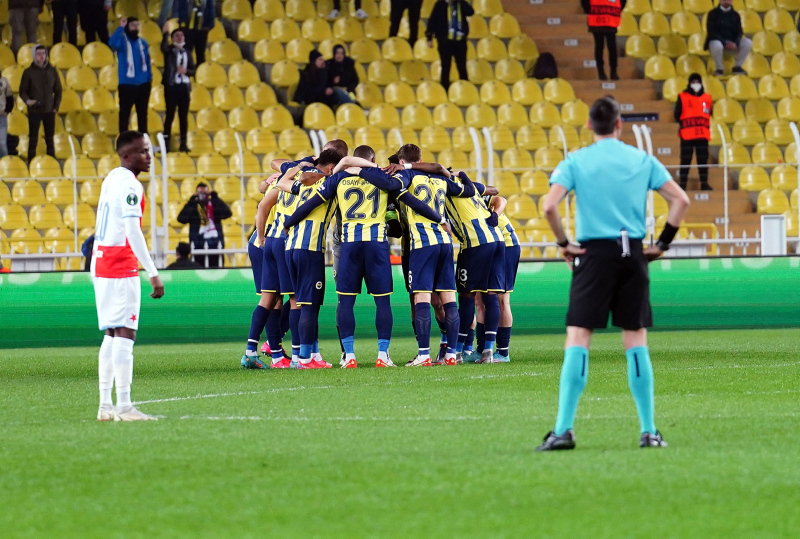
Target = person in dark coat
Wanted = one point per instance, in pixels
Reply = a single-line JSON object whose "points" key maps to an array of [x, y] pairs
{"points": [[449, 25], [65, 10], [314, 87], [204, 214], [198, 18], [94, 19], [178, 67], [342, 71], [40, 89], [183, 258], [724, 34]]}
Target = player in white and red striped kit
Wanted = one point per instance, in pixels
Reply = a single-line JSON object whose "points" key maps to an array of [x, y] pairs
{"points": [[119, 247]]}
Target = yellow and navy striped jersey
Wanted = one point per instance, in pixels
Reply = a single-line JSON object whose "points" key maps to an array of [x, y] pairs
{"points": [[284, 207], [503, 222], [310, 233], [362, 206], [468, 216], [432, 190]]}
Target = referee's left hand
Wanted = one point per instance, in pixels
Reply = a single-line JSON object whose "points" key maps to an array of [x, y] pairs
{"points": [[653, 252], [570, 252]]}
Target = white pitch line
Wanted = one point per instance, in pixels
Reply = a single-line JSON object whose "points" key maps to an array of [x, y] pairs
{"points": [[340, 418]]}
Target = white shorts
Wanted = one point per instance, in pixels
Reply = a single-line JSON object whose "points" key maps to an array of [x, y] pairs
{"points": [[118, 302]]}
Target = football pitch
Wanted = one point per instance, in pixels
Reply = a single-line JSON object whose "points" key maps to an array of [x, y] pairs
{"points": [[441, 451]]}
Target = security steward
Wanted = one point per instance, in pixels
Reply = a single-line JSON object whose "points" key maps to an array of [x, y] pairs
{"points": [[693, 111]]}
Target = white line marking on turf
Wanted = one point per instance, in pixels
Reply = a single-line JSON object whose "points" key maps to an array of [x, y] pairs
{"points": [[339, 418]]}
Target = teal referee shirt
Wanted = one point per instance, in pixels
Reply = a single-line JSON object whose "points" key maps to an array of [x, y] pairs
{"points": [[611, 180]]}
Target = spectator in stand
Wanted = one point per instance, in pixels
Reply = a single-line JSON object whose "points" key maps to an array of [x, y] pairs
{"points": [[724, 34], [603, 20], [337, 7], [178, 67], [342, 73], [65, 9], [6, 106], [40, 89], [204, 214], [314, 88], [448, 23], [87, 248], [183, 258], [94, 19], [396, 15], [23, 15], [135, 73], [693, 111], [166, 12], [198, 18]]}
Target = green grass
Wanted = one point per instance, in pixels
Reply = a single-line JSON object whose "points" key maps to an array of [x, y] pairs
{"points": [[444, 451]]}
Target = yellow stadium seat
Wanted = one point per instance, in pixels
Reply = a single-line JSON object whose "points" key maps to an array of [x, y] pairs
{"points": [[772, 201], [78, 217], [285, 74], [487, 8], [737, 155], [435, 138], [298, 49], [506, 183], [792, 229], [24, 55], [728, 111], [383, 116], [228, 187], [695, 44], [244, 212], [259, 96], [96, 145], [347, 29], [453, 158], [526, 92], [269, 10], [789, 109], [753, 178], [793, 199], [243, 119], [741, 88], [284, 30], [365, 50], [225, 142], [767, 43], [377, 28], [397, 49], [14, 75], [783, 177], [80, 122], [759, 110], [688, 64], [479, 71], [685, 23], [243, 74], [654, 24], [368, 94], [236, 10], [714, 87], [211, 119], [261, 141], [107, 163], [28, 193], [747, 132], [756, 66], [431, 93], [627, 25], [212, 164], [326, 48], [514, 158], [399, 94], [698, 6], [60, 240], [13, 216], [316, 29], [98, 100], [495, 93], [575, 113], [336, 132], [397, 136], [480, 115], [659, 67], [751, 21], [491, 49], [531, 137], [80, 78], [227, 97], [534, 182], [225, 52], [199, 142], [778, 132], [548, 157], [791, 42], [570, 137], [667, 7], [545, 114], [509, 71], [640, 46], [671, 45], [46, 167], [211, 75], [188, 187], [180, 164], [382, 72], [156, 57], [448, 115], [248, 164], [108, 78], [351, 116], [463, 93], [7, 56], [64, 56], [318, 116], [462, 139], [12, 166], [44, 216], [773, 87], [502, 138], [504, 26], [785, 64], [252, 30], [25, 240], [673, 87], [70, 102], [522, 48], [413, 72], [294, 140], [82, 167], [90, 191], [779, 21], [512, 115], [269, 51]]}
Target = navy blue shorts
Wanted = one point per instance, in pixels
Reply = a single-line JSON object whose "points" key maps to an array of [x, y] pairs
{"points": [[430, 269], [482, 268], [307, 269], [367, 261], [256, 255], [512, 264], [275, 273]]}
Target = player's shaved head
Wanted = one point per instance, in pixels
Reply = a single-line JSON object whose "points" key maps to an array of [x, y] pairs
{"points": [[409, 153], [328, 157], [126, 139], [604, 115], [133, 152], [365, 152], [394, 160], [338, 145]]}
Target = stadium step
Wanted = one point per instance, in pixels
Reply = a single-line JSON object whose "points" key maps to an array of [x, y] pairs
{"points": [[625, 91]]}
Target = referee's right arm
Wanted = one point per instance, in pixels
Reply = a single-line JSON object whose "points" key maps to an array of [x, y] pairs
{"points": [[678, 202]]}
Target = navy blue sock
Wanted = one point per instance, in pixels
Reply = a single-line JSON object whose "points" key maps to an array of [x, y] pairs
{"points": [[466, 314], [480, 336], [274, 334], [422, 320], [285, 322], [346, 318], [503, 340], [451, 324], [491, 319], [383, 317], [308, 330], [257, 323], [294, 324], [470, 340]]}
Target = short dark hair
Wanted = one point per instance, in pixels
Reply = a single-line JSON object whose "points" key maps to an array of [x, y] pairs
{"points": [[178, 29], [604, 115], [127, 138], [337, 144], [328, 157], [201, 184], [394, 160], [364, 152], [410, 153], [183, 250]]}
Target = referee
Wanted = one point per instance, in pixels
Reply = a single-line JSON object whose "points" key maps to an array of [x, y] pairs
{"points": [[611, 181]]}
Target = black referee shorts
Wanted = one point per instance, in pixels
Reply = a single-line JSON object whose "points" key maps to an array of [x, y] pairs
{"points": [[604, 281]]}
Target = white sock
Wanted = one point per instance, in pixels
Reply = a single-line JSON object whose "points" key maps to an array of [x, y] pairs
{"points": [[348, 357], [449, 355], [122, 354], [306, 360], [105, 371], [383, 355], [295, 358]]}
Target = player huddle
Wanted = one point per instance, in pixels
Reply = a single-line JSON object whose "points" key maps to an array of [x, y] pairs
{"points": [[423, 204]]}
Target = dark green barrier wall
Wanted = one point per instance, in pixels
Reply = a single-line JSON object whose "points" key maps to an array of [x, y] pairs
{"points": [[57, 309]]}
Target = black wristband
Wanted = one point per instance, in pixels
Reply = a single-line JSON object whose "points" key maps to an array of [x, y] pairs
{"points": [[562, 244], [667, 235]]}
